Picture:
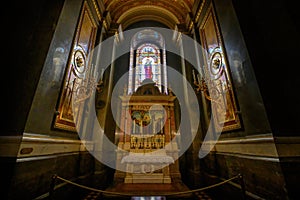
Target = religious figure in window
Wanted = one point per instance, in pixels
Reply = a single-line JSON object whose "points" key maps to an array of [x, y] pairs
{"points": [[148, 66], [148, 69]]}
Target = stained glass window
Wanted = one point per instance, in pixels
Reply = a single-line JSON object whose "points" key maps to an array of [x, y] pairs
{"points": [[148, 65], [147, 61]]}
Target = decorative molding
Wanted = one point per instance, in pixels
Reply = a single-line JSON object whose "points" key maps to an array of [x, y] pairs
{"points": [[249, 139], [288, 146], [250, 157], [91, 16], [287, 140], [105, 25], [191, 26], [9, 145], [30, 145], [40, 145], [44, 157], [260, 146], [97, 9], [255, 146], [199, 11]]}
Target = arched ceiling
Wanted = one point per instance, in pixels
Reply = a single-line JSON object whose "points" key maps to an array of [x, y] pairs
{"points": [[168, 12]]}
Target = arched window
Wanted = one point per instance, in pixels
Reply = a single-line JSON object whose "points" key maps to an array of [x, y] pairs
{"points": [[147, 60], [148, 65]]}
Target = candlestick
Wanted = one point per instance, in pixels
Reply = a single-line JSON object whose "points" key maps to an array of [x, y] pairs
{"points": [[141, 127], [198, 76], [194, 75], [96, 75], [133, 129], [101, 74]]}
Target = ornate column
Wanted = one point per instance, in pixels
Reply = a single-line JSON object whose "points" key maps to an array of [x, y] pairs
{"points": [[122, 125], [128, 124], [167, 127]]}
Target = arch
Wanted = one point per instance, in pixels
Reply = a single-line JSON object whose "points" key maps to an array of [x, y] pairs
{"points": [[141, 17], [147, 60], [148, 12], [147, 35]]}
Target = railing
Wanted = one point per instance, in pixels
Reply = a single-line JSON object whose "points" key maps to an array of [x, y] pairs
{"points": [[101, 192]]}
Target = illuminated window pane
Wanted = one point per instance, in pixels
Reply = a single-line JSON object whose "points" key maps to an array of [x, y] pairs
{"points": [[148, 65]]}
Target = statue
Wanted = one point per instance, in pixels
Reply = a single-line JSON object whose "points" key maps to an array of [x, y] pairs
{"points": [[148, 69]]}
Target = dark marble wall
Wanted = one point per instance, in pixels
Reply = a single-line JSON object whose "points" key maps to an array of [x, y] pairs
{"points": [[29, 30], [44, 104], [45, 35], [262, 176], [30, 36], [271, 32], [255, 78], [32, 176]]}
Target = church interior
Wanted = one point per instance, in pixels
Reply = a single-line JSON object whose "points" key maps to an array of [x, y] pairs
{"points": [[152, 99]]}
